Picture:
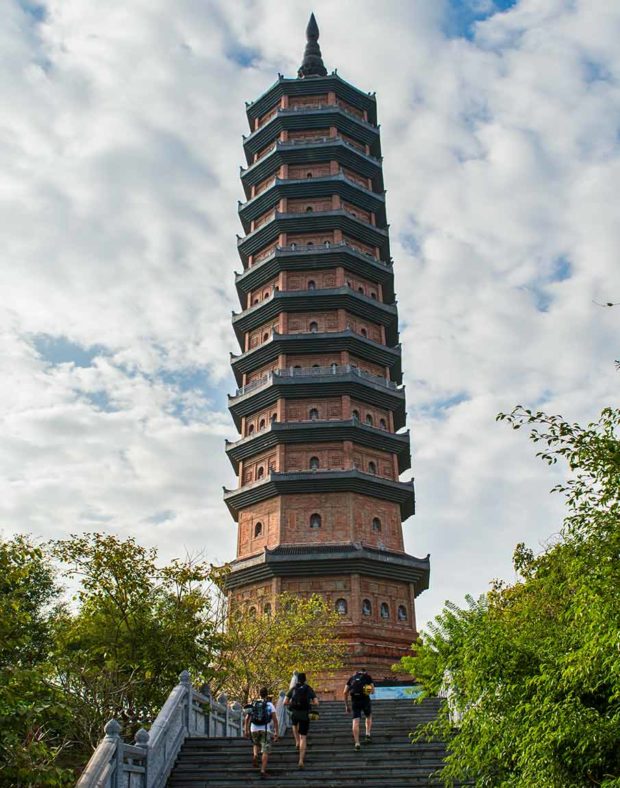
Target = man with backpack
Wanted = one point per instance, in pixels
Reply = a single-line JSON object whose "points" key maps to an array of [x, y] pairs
{"points": [[261, 724], [359, 688], [300, 699]]}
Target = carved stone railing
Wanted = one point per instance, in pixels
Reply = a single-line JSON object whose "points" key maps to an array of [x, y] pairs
{"points": [[148, 762], [305, 372]]}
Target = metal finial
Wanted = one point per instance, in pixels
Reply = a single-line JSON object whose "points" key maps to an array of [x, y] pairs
{"points": [[312, 64]]}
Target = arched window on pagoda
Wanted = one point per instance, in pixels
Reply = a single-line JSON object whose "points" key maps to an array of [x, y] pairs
{"points": [[262, 424], [258, 530], [314, 327], [315, 520], [314, 463], [267, 609], [366, 607], [385, 610], [311, 285], [402, 613], [314, 414], [260, 472], [376, 524], [383, 424], [356, 415], [372, 467], [341, 607], [369, 419]]}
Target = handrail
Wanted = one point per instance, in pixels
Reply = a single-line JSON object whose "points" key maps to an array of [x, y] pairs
{"points": [[148, 762], [314, 108], [320, 248], [314, 140], [273, 215], [335, 369]]}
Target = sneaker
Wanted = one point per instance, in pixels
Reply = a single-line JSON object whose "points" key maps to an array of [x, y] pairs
{"points": [[263, 775], [357, 747], [368, 739], [300, 765]]}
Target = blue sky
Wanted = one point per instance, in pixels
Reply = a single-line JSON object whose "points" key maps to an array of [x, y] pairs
{"points": [[120, 150]]}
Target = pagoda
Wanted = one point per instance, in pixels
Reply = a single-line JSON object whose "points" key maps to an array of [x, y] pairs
{"points": [[320, 406]]}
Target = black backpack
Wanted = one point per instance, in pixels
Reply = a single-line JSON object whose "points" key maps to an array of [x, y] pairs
{"points": [[260, 713], [357, 684], [300, 698]]}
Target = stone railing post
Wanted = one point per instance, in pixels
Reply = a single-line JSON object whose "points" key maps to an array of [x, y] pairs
{"points": [[224, 700], [186, 681], [206, 691], [237, 708], [142, 741], [113, 734], [281, 713]]}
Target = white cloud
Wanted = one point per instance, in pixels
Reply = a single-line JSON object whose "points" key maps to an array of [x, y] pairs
{"points": [[120, 145]]}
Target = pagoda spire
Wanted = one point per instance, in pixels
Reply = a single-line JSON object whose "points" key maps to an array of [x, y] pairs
{"points": [[312, 64]]}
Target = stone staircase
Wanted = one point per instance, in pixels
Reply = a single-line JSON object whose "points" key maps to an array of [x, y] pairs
{"points": [[389, 760]]}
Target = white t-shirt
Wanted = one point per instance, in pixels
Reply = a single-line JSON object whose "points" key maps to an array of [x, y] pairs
{"points": [[270, 710]]}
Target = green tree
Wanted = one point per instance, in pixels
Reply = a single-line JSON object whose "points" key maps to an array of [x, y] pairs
{"points": [[137, 624], [33, 715], [264, 650], [533, 668]]}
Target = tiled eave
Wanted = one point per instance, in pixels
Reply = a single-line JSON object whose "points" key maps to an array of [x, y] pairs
{"points": [[312, 118], [318, 258], [319, 386], [310, 87], [334, 149], [312, 300], [318, 432], [328, 342], [294, 483], [320, 560], [319, 221], [309, 188]]}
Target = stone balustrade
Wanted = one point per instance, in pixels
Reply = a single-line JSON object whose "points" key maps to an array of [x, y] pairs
{"points": [[148, 762]]}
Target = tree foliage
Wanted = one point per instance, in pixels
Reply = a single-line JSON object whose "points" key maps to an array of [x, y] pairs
{"points": [[533, 668], [116, 648], [264, 650], [137, 624], [33, 714]]}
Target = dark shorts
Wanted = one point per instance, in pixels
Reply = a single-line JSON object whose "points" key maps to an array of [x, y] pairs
{"points": [[359, 704], [302, 723]]}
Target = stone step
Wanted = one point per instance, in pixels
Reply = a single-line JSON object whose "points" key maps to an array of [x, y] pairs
{"points": [[316, 742], [336, 778], [391, 759], [338, 753]]}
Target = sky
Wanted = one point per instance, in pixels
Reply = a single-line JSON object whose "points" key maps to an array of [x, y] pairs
{"points": [[120, 146]]}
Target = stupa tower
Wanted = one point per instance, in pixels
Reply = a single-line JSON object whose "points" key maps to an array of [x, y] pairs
{"points": [[320, 405]]}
